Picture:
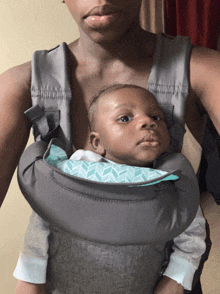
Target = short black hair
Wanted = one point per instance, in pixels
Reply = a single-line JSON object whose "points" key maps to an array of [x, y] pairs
{"points": [[108, 89]]}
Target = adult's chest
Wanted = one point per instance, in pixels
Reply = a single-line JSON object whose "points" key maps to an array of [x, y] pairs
{"points": [[88, 82]]}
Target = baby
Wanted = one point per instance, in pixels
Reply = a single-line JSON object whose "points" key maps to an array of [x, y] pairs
{"points": [[127, 126]]}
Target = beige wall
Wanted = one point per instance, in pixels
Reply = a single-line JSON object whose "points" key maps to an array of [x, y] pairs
{"points": [[25, 26]]}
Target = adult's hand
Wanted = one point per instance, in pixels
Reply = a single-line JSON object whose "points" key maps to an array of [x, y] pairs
{"points": [[168, 286], [28, 288]]}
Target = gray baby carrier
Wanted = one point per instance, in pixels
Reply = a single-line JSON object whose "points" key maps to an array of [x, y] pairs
{"points": [[105, 238]]}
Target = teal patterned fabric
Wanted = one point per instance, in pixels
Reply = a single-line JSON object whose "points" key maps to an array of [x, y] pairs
{"points": [[106, 172]]}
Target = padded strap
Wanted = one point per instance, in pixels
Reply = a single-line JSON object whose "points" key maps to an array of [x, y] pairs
{"points": [[169, 82], [170, 68], [51, 92], [107, 212]]}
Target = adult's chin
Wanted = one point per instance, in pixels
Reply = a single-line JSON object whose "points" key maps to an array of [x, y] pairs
{"points": [[107, 32]]}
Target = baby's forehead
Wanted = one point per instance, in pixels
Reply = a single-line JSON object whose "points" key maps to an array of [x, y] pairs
{"points": [[126, 95]]}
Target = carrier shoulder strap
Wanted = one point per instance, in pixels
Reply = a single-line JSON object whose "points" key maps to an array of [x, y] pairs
{"points": [[169, 82], [51, 96]]}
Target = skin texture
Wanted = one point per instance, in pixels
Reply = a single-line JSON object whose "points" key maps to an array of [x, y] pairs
{"points": [[167, 286], [14, 127], [100, 58], [129, 127], [26, 288]]}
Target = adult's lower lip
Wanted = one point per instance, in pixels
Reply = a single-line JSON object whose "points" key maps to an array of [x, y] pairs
{"points": [[100, 21]]}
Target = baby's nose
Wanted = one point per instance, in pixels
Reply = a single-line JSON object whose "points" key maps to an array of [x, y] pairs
{"points": [[147, 123]]}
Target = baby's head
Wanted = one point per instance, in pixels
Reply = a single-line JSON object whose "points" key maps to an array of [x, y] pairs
{"points": [[127, 125]]}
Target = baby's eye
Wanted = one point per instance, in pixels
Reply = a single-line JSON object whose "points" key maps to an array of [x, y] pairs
{"points": [[155, 117], [125, 118]]}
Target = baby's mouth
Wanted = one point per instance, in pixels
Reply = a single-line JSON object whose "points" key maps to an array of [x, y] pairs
{"points": [[149, 140]]}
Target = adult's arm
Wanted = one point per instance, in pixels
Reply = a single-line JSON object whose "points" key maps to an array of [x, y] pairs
{"points": [[188, 246], [15, 98], [205, 81], [187, 251], [32, 263], [14, 127]]}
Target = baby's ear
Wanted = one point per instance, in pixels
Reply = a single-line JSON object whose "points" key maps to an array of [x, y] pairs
{"points": [[96, 144]]}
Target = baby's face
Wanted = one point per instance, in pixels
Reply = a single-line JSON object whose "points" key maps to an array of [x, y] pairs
{"points": [[131, 126]]}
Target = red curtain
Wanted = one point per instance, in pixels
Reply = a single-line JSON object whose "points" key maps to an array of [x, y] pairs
{"points": [[198, 19]]}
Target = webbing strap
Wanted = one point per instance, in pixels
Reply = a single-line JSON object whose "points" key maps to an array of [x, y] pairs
{"points": [[38, 118]]}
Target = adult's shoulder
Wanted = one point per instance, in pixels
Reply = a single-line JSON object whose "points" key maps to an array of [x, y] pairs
{"points": [[15, 95], [205, 80], [19, 76], [204, 69], [16, 80], [15, 86]]}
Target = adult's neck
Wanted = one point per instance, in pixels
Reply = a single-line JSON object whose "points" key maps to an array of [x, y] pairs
{"points": [[126, 47]]}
